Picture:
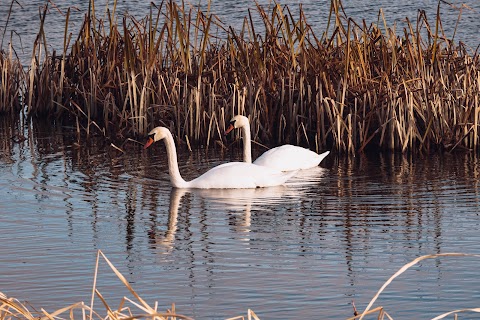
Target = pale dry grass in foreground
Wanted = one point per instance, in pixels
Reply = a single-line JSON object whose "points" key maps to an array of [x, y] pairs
{"points": [[382, 313], [128, 309], [11, 308]]}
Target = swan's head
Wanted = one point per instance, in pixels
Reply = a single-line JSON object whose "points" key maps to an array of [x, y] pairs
{"points": [[237, 122], [155, 135]]}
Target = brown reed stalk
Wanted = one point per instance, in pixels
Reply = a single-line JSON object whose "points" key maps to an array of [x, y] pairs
{"points": [[11, 83]]}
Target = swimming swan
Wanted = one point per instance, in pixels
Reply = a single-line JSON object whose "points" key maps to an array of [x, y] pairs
{"points": [[283, 158], [233, 175]]}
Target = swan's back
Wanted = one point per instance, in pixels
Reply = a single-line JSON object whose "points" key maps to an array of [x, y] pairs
{"points": [[288, 158], [240, 175]]}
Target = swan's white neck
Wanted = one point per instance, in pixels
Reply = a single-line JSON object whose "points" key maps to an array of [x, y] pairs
{"points": [[247, 143], [175, 177]]}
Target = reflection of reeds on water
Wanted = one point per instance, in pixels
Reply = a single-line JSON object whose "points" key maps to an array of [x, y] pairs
{"points": [[352, 87]]}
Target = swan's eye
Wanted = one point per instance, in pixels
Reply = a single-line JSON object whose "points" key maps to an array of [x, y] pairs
{"points": [[233, 122]]}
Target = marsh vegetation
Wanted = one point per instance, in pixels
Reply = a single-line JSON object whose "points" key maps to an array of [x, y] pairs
{"points": [[354, 86]]}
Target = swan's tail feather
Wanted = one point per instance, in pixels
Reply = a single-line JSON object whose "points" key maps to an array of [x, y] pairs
{"points": [[323, 156]]}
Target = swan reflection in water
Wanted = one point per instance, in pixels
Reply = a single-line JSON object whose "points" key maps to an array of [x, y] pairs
{"points": [[237, 201], [307, 178]]}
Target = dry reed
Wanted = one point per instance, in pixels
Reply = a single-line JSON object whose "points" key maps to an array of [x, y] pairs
{"points": [[353, 87], [11, 308], [128, 309], [11, 83], [381, 311]]}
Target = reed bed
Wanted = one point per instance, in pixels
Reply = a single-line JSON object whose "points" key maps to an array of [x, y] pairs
{"points": [[11, 83], [355, 86]]}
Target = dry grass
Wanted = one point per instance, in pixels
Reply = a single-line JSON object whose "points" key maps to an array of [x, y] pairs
{"points": [[129, 309], [382, 314], [353, 87], [11, 83]]}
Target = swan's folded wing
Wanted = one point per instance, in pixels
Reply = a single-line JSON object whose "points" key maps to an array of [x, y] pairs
{"points": [[240, 175], [275, 178], [288, 158]]}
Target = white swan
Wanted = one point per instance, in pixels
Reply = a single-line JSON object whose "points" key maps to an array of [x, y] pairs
{"points": [[283, 158], [233, 175]]}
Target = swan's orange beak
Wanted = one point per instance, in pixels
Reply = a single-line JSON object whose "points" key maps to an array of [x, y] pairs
{"points": [[149, 143], [230, 128]]}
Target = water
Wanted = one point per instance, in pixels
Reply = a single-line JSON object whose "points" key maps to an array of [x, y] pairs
{"points": [[306, 250], [22, 26]]}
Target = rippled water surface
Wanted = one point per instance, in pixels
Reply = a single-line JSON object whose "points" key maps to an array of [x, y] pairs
{"points": [[305, 250]]}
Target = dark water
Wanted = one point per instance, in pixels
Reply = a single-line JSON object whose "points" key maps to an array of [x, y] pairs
{"points": [[19, 24], [302, 251]]}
